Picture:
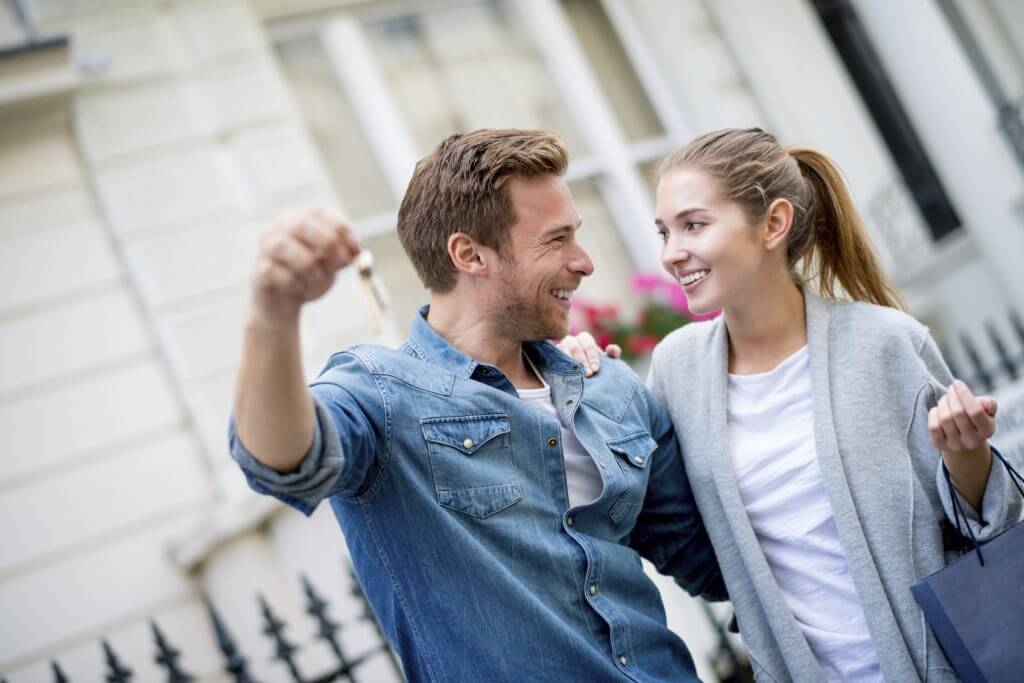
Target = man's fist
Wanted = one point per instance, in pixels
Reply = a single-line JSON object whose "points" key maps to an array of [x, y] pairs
{"points": [[298, 259], [961, 421]]}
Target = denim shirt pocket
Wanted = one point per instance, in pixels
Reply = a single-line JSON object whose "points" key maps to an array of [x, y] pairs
{"points": [[471, 462], [634, 453]]}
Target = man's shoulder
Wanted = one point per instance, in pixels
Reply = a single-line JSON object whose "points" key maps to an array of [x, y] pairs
{"points": [[368, 359]]}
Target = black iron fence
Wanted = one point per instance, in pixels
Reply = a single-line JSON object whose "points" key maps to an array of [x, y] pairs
{"points": [[345, 666], [1007, 350]]}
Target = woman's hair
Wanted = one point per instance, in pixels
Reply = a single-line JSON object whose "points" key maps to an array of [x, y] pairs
{"points": [[828, 239]]}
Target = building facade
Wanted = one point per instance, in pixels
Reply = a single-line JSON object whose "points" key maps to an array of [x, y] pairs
{"points": [[145, 144]]}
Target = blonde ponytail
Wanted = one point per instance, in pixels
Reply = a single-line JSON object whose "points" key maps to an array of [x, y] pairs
{"points": [[839, 249], [828, 243]]}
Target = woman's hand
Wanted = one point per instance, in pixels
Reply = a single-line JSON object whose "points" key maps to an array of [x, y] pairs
{"points": [[961, 422], [584, 350], [960, 427]]}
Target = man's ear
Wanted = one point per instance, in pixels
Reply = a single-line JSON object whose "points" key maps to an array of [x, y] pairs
{"points": [[466, 254], [777, 223]]}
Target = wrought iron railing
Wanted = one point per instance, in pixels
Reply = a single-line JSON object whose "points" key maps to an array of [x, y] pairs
{"points": [[344, 668]]}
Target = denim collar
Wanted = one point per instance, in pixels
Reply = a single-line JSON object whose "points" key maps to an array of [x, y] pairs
{"points": [[428, 345]]}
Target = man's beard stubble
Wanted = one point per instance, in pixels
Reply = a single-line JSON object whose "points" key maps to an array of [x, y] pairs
{"points": [[519, 316]]}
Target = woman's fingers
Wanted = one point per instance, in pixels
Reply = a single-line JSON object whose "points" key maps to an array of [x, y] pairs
{"points": [[966, 431], [591, 351], [961, 421], [983, 424], [570, 345]]}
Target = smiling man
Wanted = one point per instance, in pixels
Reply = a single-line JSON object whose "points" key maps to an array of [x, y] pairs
{"points": [[493, 498]]}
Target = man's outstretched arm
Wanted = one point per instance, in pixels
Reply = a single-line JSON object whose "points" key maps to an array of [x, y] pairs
{"points": [[298, 260]]}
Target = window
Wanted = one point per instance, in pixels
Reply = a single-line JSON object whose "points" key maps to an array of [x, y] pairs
{"points": [[880, 98], [384, 87]]}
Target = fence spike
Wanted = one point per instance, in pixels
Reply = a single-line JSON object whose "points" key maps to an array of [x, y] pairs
{"points": [[235, 663], [117, 672], [167, 657], [1018, 328], [327, 630], [1009, 367], [274, 628], [58, 673], [984, 379]]}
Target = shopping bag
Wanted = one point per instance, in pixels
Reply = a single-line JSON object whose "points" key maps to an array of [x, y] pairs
{"points": [[975, 604]]}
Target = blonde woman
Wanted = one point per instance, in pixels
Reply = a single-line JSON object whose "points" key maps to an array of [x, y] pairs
{"points": [[812, 414]]}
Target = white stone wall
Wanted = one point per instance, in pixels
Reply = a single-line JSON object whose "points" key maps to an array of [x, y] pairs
{"points": [[128, 224]]}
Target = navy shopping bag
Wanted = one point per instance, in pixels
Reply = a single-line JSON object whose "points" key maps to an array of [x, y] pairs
{"points": [[975, 605]]}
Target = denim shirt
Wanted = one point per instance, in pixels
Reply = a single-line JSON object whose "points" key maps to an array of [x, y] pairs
{"points": [[451, 494]]}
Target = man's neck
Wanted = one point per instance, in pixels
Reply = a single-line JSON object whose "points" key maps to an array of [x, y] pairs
{"points": [[475, 334], [767, 330]]}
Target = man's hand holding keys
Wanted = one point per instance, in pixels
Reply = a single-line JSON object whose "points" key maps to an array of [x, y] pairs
{"points": [[298, 259]]}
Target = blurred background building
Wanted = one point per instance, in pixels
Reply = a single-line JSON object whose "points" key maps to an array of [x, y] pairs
{"points": [[145, 144]]}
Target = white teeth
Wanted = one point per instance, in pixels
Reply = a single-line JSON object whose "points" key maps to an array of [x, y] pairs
{"points": [[694, 276], [564, 294]]}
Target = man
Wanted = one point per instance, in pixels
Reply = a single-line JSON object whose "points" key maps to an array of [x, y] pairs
{"points": [[494, 501]]}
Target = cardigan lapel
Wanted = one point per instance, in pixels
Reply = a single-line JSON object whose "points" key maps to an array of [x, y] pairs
{"points": [[880, 618], [780, 618]]}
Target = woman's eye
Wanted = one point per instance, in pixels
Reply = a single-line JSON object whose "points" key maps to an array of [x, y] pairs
{"points": [[694, 225], [663, 234]]}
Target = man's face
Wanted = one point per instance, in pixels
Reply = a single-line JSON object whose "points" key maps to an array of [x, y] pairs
{"points": [[545, 263]]}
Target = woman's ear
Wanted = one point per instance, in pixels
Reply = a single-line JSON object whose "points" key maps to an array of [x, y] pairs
{"points": [[777, 223], [466, 254]]}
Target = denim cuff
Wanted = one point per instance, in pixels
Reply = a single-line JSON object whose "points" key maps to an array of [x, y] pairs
{"points": [[316, 475]]}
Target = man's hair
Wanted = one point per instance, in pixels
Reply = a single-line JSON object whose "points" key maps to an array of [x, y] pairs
{"points": [[462, 186]]}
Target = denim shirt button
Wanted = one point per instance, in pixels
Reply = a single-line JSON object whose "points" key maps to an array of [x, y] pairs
{"points": [[593, 589], [468, 443], [568, 521], [623, 660], [552, 442]]}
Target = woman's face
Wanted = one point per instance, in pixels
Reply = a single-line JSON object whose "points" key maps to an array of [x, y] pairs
{"points": [[708, 243]]}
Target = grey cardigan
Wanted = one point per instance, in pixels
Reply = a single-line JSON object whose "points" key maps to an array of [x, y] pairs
{"points": [[875, 373]]}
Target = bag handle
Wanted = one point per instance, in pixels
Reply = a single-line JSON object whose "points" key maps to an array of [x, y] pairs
{"points": [[958, 510]]}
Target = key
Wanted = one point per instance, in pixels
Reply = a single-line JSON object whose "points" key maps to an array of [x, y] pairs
{"points": [[376, 300]]}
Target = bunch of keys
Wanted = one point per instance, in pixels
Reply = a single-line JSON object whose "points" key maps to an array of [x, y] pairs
{"points": [[376, 300]]}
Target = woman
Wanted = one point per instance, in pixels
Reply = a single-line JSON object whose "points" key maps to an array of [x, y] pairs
{"points": [[810, 426]]}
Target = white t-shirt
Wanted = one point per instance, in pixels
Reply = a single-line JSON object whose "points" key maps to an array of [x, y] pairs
{"points": [[581, 474], [771, 443]]}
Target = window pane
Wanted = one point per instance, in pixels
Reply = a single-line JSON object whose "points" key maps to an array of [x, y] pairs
{"points": [[333, 124], [468, 67], [613, 69], [649, 173], [12, 31]]}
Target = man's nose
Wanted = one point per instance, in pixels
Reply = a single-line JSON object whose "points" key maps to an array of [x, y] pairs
{"points": [[581, 262]]}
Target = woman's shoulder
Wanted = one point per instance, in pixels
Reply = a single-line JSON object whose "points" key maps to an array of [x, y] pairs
{"points": [[873, 322], [690, 336]]}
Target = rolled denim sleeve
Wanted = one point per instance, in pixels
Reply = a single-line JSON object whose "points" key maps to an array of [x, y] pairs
{"points": [[343, 454], [670, 531]]}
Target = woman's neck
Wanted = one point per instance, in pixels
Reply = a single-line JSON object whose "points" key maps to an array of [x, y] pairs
{"points": [[766, 331]]}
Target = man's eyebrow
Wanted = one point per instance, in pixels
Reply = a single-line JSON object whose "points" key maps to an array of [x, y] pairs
{"points": [[564, 228], [682, 214]]}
